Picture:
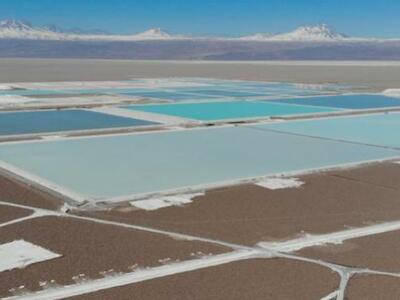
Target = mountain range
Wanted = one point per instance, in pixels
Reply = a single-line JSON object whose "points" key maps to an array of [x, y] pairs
{"points": [[21, 39], [13, 29]]}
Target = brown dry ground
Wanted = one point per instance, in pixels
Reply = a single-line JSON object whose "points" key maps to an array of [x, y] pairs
{"points": [[248, 214], [386, 175], [253, 279], [89, 248], [20, 193], [376, 252], [8, 213], [373, 287], [378, 75], [244, 214]]}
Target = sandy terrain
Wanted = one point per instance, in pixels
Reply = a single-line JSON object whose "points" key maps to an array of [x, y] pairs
{"points": [[373, 287], [251, 279], [248, 214], [21, 193], [376, 252], [8, 213], [379, 75], [89, 248], [386, 175], [244, 214]]}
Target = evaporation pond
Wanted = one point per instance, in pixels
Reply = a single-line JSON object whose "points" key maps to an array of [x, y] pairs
{"points": [[124, 165], [375, 129], [229, 110], [30, 122], [346, 101]]}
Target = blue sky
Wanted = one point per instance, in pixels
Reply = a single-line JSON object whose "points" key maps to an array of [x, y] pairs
{"points": [[378, 18]]}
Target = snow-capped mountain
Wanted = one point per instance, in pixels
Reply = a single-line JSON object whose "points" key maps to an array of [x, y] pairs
{"points": [[12, 29], [311, 33], [154, 33], [20, 30], [305, 33], [14, 25], [19, 39]]}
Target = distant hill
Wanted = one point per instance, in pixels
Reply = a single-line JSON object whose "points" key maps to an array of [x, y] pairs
{"points": [[305, 33], [21, 39], [13, 29]]}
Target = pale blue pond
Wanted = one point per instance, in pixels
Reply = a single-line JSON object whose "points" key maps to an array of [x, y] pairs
{"points": [[347, 101], [282, 88], [377, 129], [125, 165], [168, 95], [229, 110], [28, 122]]}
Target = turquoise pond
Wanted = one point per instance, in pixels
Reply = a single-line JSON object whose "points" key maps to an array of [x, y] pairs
{"points": [[131, 164], [229, 110], [227, 93], [30, 92]]}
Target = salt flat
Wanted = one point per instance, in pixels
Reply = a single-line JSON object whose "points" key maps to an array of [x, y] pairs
{"points": [[378, 75]]}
